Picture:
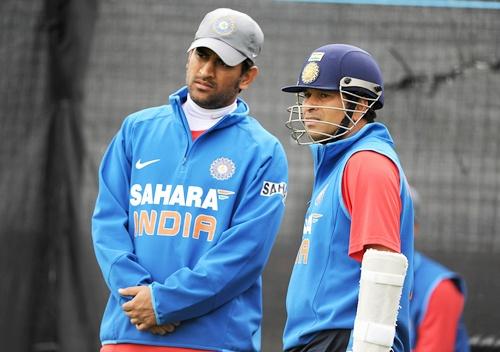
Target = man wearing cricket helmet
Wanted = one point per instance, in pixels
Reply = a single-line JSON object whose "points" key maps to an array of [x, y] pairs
{"points": [[350, 285]]}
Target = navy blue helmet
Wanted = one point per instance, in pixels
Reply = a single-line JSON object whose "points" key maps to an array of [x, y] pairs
{"points": [[329, 65], [343, 68]]}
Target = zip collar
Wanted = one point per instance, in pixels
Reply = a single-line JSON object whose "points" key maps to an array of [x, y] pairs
{"points": [[337, 149]]}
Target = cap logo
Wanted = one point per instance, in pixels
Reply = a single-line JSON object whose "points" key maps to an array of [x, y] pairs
{"points": [[316, 56], [224, 26], [310, 73]]}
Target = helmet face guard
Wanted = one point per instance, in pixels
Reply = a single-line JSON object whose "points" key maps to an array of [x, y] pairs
{"points": [[351, 99], [342, 68]]}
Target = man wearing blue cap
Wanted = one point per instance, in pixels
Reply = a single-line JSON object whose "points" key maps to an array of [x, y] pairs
{"points": [[350, 285], [191, 196]]}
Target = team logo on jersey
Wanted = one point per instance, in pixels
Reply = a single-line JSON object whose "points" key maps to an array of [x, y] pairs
{"points": [[222, 169], [224, 26], [310, 73]]}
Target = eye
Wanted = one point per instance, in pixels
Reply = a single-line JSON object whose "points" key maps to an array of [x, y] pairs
{"points": [[222, 63], [201, 53], [323, 95]]}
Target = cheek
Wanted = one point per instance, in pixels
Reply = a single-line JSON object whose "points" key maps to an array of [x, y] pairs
{"points": [[229, 81], [332, 116], [191, 66], [189, 73]]}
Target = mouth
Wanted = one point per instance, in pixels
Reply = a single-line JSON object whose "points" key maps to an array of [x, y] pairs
{"points": [[310, 120], [314, 125], [203, 85]]}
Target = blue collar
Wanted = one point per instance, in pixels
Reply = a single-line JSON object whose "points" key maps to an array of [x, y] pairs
{"points": [[337, 149]]}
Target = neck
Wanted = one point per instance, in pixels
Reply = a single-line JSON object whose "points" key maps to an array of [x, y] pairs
{"points": [[200, 118], [361, 123]]}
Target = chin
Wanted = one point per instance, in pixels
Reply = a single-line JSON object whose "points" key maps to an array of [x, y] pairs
{"points": [[315, 135], [200, 99]]}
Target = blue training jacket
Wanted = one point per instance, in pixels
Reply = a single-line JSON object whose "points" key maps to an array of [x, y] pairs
{"points": [[428, 275], [324, 287], [193, 220]]}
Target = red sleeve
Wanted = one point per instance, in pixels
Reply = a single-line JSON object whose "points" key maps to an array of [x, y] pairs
{"points": [[370, 189], [438, 329]]}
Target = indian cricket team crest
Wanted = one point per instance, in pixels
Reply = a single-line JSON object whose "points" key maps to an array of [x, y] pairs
{"points": [[310, 73], [224, 26], [222, 169]]}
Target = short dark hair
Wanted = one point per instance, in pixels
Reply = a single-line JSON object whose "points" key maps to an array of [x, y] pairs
{"points": [[370, 115], [246, 65]]}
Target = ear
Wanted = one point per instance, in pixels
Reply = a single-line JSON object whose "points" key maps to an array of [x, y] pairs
{"points": [[248, 77], [360, 109]]}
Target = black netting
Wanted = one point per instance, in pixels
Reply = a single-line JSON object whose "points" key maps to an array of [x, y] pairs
{"points": [[58, 113]]}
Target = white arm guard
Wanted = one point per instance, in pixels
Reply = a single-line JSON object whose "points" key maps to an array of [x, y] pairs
{"points": [[381, 285]]}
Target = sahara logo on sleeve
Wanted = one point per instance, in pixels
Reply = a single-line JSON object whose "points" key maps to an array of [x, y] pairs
{"points": [[271, 188]]}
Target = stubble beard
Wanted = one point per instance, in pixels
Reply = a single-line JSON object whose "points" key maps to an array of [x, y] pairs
{"points": [[217, 100]]}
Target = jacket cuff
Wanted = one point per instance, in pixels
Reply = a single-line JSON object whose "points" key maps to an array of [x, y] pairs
{"points": [[153, 302]]}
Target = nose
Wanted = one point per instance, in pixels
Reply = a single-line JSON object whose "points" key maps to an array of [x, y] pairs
{"points": [[207, 69], [309, 101]]}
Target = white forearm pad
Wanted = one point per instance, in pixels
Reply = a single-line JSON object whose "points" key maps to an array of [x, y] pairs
{"points": [[382, 277]]}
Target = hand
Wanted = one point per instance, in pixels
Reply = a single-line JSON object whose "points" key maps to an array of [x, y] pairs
{"points": [[163, 329], [140, 308]]}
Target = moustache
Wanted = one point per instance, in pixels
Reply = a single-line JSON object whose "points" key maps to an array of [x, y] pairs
{"points": [[205, 81]]}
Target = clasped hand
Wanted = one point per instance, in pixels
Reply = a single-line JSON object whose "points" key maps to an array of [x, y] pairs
{"points": [[140, 311]]}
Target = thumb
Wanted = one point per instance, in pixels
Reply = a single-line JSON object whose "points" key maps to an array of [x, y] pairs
{"points": [[128, 291]]}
